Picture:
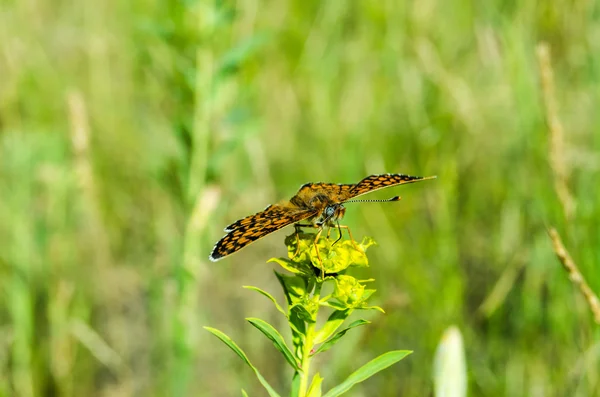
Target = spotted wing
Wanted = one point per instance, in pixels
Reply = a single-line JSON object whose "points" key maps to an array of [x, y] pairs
{"points": [[270, 212], [337, 192], [254, 227], [376, 182]]}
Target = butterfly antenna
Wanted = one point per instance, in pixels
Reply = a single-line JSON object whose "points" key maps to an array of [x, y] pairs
{"points": [[395, 198]]}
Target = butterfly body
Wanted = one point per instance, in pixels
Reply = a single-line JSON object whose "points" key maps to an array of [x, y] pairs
{"points": [[321, 204], [326, 209]]}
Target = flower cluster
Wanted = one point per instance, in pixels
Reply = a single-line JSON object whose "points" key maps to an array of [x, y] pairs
{"points": [[315, 261]]}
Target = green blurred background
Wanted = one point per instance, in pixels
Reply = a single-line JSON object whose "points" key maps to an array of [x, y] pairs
{"points": [[132, 132]]}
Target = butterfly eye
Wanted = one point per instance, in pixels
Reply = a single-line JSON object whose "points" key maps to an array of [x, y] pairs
{"points": [[329, 212]]}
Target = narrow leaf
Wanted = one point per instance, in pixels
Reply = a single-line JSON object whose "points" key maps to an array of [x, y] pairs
{"points": [[295, 389], [335, 305], [379, 309], [294, 287], [298, 327], [335, 339], [300, 311], [233, 346], [368, 370], [269, 296], [333, 322], [293, 266], [270, 332], [315, 387], [244, 394]]}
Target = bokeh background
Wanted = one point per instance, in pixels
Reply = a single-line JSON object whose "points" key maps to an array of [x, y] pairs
{"points": [[132, 132]]}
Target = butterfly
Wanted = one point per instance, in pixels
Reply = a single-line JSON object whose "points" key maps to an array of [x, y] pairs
{"points": [[321, 204]]}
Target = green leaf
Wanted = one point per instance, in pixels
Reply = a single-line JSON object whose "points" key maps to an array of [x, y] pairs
{"points": [[368, 280], [335, 258], [327, 345], [368, 370], [349, 291], [335, 305], [345, 254], [292, 266], [297, 325], [333, 322], [294, 287], [296, 381], [366, 243], [271, 333], [269, 296], [367, 294], [359, 259], [314, 389], [301, 312], [379, 309], [299, 247], [298, 334], [233, 346], [244, 394]]}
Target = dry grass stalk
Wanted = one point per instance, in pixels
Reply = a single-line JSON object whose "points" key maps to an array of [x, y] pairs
{"points": [[574, 274], [557, 142], [80, 140]]}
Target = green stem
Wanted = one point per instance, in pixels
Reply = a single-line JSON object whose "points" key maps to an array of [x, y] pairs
{"points": [[306, 359], [308, 347]]}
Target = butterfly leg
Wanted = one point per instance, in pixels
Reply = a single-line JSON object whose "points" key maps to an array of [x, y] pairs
{"points": [[329, 231], [317, 250], [340, 227], [297, 228]]}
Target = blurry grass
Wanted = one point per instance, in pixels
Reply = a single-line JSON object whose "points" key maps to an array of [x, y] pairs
{"points": [[299, 91]]}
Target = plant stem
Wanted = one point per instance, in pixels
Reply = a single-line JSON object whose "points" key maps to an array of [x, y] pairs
{"points": [[308, 346], [308, 343]]}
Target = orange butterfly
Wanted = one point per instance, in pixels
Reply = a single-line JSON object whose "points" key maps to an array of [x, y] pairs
{"points": [[319, 203]]}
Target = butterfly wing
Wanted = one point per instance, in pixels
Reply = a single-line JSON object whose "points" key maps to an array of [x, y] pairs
{"points": [[336, 192], [376, 182], [270, 211], [256, 226]]}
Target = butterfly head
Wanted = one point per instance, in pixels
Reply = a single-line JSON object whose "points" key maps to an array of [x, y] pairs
{"points": [[331, 214]]}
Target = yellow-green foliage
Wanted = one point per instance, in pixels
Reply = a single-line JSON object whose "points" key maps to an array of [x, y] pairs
{"points": [[132, 132]]}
